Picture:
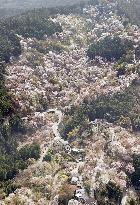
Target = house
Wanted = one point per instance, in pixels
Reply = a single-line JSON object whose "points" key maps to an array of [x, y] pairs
{"points": [[74, 180], [80, 195]]}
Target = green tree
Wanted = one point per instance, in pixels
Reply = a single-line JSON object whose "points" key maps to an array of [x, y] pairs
{"points": [[29, 151], [109, 48], [135, 176]]}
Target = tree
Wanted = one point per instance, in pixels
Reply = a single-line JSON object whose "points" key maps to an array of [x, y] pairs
{"points": [[11, 164], [135, 176], [109, 48], [109, 194], [66, 193], [48, 156], [29, 151], [33, 24]]}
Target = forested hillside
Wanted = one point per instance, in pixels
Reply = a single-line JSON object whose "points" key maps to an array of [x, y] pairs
{"points": [[69, 104], [34, 3], [131, 9], [33, 24], [14, 7]]}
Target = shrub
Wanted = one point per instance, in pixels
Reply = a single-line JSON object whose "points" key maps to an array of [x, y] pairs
{"points": [[137, 52], [87, 187], [125, 122], [120, 68], [134, 202], [10, 187], [114, 192], [47, 158]]}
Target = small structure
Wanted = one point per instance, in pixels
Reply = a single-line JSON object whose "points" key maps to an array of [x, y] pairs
{"points": [[67, 148], [74, 180], [59, 144], [73, 202], [77, 180], [80, 195], [80, 182], [77, 151]]}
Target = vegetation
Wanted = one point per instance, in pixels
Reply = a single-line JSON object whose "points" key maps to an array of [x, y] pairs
{"points": [[29, 151], [35, 59], [122, 108], [109, 194], [10, 123], [7, 187], [110, 48], [9, 119], [44, 46], [49, 155], [11, 164], [134, 202], [9, 45], [11, 160], [123, 68], [31, 24], [130, 9], [87, 187], [135, 176], [66, 193]]}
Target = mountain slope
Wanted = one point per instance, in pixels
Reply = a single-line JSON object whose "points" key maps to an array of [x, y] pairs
{"points": [[14, 7], [28, 4], [81, 114]]}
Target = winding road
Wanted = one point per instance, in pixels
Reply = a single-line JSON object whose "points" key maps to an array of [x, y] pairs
{"points": [[56, 133]]}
